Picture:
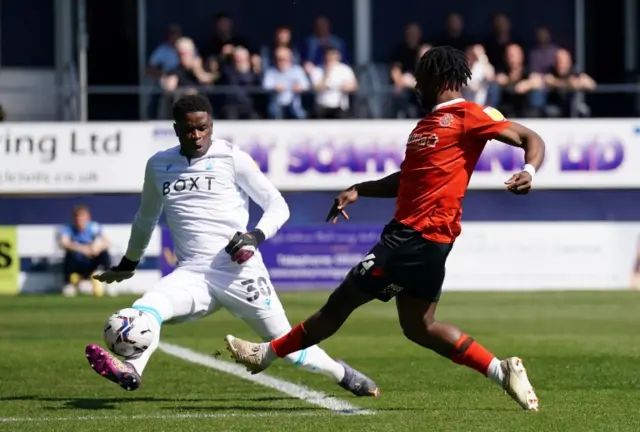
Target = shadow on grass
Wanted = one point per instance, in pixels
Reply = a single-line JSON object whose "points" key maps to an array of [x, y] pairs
{"points": [[111, 403]]}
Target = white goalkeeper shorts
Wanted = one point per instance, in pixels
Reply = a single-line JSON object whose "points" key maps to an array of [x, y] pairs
{"points": [[190, 293]]}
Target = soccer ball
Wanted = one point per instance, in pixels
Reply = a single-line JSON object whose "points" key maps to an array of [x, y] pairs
{"points": [[128, 332]]}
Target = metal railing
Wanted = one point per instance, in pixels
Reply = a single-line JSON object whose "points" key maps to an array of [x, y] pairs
{"points": [[219, 89], [373, 97]]}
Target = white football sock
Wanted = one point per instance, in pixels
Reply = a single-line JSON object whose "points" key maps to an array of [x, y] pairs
{"points": [[140, 362], [314, 359], [495, 372]]}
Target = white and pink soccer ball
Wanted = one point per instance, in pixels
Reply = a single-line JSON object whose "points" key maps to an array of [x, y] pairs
{"points": [[128, 332]]}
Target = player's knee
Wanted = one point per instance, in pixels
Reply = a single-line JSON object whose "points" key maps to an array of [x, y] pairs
{"points": [[344, 300], [156, 304]]}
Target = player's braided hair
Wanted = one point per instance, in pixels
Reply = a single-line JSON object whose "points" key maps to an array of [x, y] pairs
{"points": [[190, 104], [445, 67]]}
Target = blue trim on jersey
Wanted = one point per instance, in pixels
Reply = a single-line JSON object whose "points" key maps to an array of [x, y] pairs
{"points": [[150, 310], [301, 358]]}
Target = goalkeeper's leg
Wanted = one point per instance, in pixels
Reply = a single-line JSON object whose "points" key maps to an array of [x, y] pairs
{"points": [[181, 296], [314, 358], [250, 296]]}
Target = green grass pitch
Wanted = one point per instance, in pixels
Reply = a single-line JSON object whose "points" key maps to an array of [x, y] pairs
{"points": [[581, 349]]}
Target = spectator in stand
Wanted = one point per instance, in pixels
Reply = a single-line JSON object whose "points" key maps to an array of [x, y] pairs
{"points": [[563, 83], [222, 45], [220, 50], [189, 75], [403, 64], [482, 76], [164, 59], [334, 82], [86, 251], [521, 91], [496, 44], [454, 33], [241, 77], [542, 57], [282, 37], [405, 56], [286, 82], [322, 37]]}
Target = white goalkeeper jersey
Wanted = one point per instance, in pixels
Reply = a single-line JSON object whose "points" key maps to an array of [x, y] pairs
{"points": [[205, 201]]}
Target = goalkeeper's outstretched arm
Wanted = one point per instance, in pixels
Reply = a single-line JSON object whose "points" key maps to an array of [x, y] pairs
{"points": [[147, 217]]}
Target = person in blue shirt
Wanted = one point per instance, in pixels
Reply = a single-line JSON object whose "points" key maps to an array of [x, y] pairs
{"points": [[86, 250], [163, 60], [285, 82]]}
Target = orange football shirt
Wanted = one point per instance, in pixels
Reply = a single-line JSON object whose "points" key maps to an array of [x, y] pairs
{"points": [[442, 152]]}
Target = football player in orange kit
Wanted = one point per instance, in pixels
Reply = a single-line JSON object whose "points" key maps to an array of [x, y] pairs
{"points": [[408, 262]]}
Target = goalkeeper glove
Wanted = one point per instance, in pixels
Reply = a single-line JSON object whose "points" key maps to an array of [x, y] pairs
{"points": [[242, 247]]}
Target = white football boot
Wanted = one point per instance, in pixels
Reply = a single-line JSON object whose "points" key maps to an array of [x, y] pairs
{"points": [[254, 356], [517, 385]]}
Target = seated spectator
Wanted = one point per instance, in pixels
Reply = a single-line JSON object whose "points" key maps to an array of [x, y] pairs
{"points": [[482, 76], [454, 33], [403, 63], [86, 251], [164, 58], [322, 37], [189, 75], [406, 55], [563, 83], [240, 77], [282, 38], [224, 41], [542, 57], [220, 52], [286, 82], [333, 83], [521, 92]]}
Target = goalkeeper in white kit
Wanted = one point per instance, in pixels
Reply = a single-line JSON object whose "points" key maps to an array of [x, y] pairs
{"points": [[204, 185]]}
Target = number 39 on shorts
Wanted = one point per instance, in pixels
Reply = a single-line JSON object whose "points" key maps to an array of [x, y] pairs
{"points": [[256, 288]]}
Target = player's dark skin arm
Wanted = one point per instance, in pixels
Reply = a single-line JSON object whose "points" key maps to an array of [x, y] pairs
{"points": [[517, 135], [386, 187]]}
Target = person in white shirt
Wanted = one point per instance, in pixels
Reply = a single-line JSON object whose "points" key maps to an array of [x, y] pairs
{"points": [[204, 186], [482, 75], [333, 83]]}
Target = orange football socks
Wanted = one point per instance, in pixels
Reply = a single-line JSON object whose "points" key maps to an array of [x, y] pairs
{"points": [[289, 343], [470, 353]]}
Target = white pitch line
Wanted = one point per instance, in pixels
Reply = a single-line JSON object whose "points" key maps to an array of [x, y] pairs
{"points": [[153, 417], [336, 405]]}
